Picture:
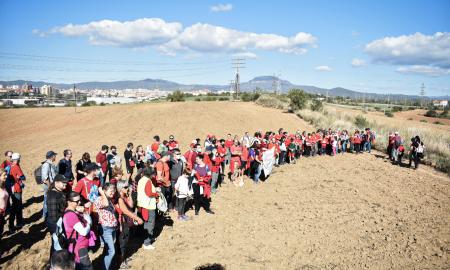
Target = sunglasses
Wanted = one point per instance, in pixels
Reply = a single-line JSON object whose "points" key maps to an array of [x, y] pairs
{"points": [[126, 187], [77, 201]]}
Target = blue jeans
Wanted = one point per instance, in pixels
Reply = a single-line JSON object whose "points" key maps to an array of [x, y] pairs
{"points": [[368, 146], [109, 237], [344, 147], [257, 172], [44, 208], [214, 179]]}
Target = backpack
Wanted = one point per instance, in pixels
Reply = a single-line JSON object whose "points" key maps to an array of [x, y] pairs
{"points": [[38, 174], [60, 239]]}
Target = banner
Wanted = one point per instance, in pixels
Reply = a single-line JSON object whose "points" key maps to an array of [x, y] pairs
{"points": [[268, 161]]}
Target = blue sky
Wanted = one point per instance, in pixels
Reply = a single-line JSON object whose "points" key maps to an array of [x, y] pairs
{"points": [[394, 46]]}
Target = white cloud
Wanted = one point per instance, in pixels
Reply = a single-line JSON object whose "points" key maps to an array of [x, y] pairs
{"points": [[211, 38], [248, 55], [139, 33], [323, 68], [424, 70], [416, 49], [222, 8], [170, 37], [358, 62]]}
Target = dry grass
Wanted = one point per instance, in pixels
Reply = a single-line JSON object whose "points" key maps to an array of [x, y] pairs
{"points": [[437, 142]]}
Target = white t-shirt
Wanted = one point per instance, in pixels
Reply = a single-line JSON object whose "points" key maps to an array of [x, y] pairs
{"points": [[182, 187]]}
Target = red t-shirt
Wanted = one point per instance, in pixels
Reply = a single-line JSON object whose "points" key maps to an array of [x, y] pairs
{"points": [[228, 143], [216, 164], [173, 145], [101, 159], [84, 186], [5, 164], [16, 173], [163, 167], [221, 150], [244, 155]]}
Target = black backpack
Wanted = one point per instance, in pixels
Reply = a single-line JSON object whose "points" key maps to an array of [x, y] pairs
{"points": [[63, 240]]}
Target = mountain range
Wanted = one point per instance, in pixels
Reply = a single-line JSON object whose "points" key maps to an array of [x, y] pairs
{"points": [[262, 82]]}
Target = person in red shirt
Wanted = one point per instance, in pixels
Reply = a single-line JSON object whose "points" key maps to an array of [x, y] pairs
{"points": [[16, 177], [172, 143], [236, 152], [163, 176], [102, 162], [155, 146], [84, 186], [7, 161], [228, 144], [190, 156], [222, 151], [216, 168], [357, 142]]}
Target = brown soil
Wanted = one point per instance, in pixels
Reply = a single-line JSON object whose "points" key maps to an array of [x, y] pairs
{"points": [[346, 212]]}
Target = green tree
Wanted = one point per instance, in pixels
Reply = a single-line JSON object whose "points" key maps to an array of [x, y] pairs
{"points": [[176, 96], [297, 99], [316, 105]]}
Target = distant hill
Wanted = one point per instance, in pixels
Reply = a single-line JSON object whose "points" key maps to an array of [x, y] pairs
{"points": [[261, 82]]}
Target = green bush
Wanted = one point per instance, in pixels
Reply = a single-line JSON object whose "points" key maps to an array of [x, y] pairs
{"points": [[247, 97], [176, 96], [423, 121], [210, 98], [224, 99], [297, 99], [198, 99], [397, 109], [89, 103], [316, 105], [361, 121], [431, 113], [389, 114], [271, 101], [438, 123]]}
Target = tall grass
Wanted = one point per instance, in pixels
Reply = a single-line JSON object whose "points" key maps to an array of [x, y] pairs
{"points": [[437, 143], [272, 102]]}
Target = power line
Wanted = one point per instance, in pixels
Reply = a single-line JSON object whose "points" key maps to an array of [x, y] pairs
{"points": [[46, 58]]}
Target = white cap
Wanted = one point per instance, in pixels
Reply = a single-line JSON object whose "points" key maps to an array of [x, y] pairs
{"points": [[15, 156]]}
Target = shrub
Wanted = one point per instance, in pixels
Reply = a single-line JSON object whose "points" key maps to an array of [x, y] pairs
{"points": [[431, 113], [176, 96], [297, 99], [377, 109], [210, 98], [89, 103], [316, 105], [389, 114], [247, 97], [198, 99], [270, 101], [410, 118], [438, 123], [423, 121], [397, 109], [102, 104], [223, 99], [361, 121]]}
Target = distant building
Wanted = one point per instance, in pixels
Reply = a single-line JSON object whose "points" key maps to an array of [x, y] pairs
{"points": [[27, 88], [440, 103], [47, 90]]}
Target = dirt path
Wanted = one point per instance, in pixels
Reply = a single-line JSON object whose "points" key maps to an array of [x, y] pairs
{"points": [[346, 212]]}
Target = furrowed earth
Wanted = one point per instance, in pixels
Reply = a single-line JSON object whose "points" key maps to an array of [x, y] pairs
{"points": [[343, 212]]}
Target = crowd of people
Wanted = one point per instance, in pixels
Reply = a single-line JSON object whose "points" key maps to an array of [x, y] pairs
{"points": [[100, 203]]}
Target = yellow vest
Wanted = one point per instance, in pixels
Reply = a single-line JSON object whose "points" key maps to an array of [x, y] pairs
{"points": [[142, 199]]}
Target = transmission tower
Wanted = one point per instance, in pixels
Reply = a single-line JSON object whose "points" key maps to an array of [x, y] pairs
{"points": [[237, 63], [422, 94], [75, 97]]}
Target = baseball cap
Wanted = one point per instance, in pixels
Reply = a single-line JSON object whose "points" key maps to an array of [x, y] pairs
{"points": [[60, 178], [50, 154], [15, 156]]}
